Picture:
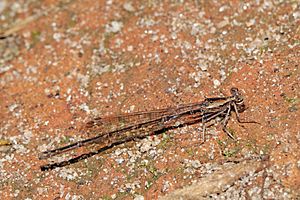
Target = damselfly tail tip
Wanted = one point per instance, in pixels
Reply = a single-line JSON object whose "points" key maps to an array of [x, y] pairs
{"points": [[45, 168]]}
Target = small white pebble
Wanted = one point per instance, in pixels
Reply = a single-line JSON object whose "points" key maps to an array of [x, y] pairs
{"points": [[138, 197], [57, 37], [217, 83], [128, 7], [114, 27], [130, 48]]}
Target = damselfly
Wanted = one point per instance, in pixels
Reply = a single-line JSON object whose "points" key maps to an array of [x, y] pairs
{"points": [[142, 124]]}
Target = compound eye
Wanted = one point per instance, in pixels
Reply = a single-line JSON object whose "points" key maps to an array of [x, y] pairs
{"points": [[234, 91]]}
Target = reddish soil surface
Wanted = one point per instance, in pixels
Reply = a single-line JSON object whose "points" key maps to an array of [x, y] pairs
{"points": [[63, 63]]}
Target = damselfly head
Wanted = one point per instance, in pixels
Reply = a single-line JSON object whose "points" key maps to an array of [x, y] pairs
{"points": [[234, 91], [238, 98]]}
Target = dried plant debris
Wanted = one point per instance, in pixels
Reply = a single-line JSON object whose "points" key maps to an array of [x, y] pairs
{"points": [[216, 184]]}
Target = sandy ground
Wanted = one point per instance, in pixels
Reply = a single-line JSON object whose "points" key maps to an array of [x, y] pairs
{"points": [[63, 63]]}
